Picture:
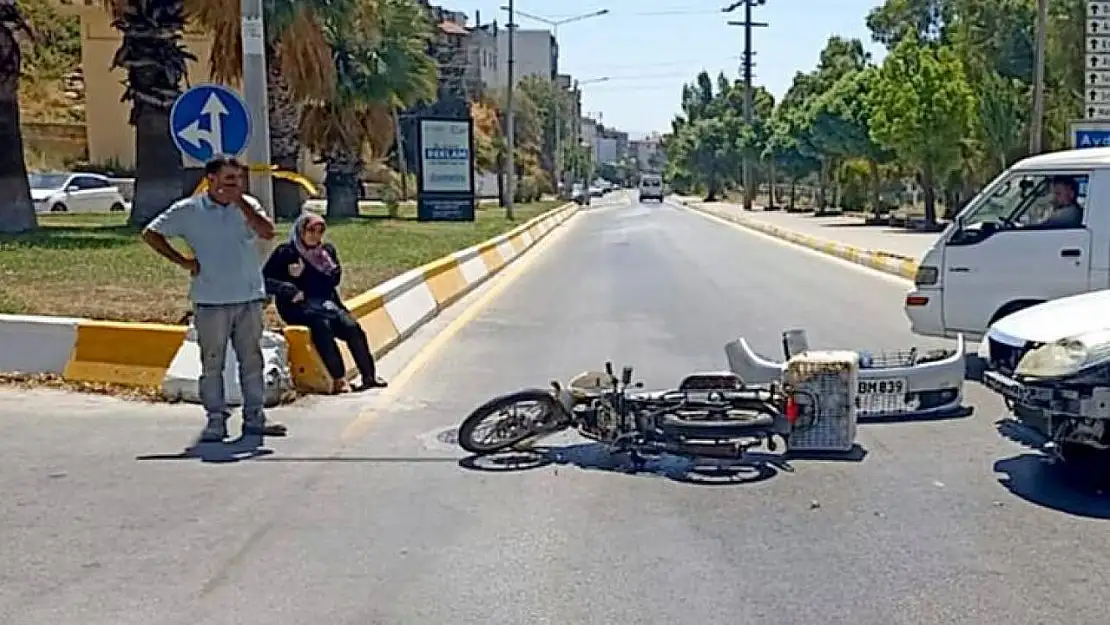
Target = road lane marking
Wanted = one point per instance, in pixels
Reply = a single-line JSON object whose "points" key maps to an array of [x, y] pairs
{"points": [[893, 279], [365, 418]]}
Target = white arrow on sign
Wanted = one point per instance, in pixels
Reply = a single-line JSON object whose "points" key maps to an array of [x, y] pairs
{"points": [[215, 111]]}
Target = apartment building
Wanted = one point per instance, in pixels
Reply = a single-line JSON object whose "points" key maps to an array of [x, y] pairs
{"points": [[535, 52]]}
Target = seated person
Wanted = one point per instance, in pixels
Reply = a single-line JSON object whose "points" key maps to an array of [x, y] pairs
{"points": [[303, 275], [1066, 211]]}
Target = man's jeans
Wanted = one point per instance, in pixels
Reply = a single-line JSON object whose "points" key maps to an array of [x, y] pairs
{"points": [[242, 325]]}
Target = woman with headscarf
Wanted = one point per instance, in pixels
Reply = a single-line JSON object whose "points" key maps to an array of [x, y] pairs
{"points": [[303, 275]]}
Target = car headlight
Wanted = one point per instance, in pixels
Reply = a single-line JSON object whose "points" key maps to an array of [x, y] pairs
{"points": [[1065, 357]]}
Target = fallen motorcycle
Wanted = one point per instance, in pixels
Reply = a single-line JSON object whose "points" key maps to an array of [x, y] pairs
{"points": [[710, 415]]}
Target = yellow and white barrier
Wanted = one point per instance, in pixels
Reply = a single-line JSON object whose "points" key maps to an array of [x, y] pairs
{"points": [[138, 354], [389, 313]]}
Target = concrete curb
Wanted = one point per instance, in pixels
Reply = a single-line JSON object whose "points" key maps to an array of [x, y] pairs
{"points": [[886, 262], [393, 311], [138, 354]]}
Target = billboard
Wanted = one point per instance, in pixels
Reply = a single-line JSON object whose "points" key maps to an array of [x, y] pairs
{"points": [[446, 179]]}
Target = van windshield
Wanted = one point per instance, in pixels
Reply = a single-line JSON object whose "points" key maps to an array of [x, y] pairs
{"points": [[1020, 199]]}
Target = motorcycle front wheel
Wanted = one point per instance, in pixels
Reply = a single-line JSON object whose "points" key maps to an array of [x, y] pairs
{"points": [[505, 421]]}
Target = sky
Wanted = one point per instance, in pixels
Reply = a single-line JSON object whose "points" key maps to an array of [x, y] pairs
{"points": [[649, 48]]}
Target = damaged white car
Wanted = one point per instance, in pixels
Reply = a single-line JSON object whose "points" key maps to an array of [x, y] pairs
{"points": [[1051, 364], [908, 383]]}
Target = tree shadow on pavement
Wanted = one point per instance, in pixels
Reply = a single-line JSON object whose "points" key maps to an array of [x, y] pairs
{"points": [[756, 466], [1040, 480], [238, 450]]}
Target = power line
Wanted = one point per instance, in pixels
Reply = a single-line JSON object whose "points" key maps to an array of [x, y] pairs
{"points": [[690, 62], [655, 13]]}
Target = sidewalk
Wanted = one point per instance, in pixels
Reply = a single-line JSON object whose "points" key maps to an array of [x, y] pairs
{"points": [[891, 250], [846, 230]]}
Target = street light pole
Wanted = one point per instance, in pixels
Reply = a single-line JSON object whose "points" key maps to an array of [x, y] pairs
{"points": [[253, 30], [554, 24], [1036, 123], [510, 139]]}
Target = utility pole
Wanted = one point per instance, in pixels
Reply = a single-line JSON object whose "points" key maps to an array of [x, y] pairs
{"points": [[1036, 121], [510, 140], [555, 24], [748, 64], [255, 92]]}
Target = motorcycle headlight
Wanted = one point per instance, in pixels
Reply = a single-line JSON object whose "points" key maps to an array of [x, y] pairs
{"points": [[1066, 356]]}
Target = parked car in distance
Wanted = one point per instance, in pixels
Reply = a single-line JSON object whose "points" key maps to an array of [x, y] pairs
{"points": [[69, 192]]}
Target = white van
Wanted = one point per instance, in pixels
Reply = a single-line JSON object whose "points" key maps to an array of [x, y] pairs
{"points": [[651, 187], [1000, 255]]}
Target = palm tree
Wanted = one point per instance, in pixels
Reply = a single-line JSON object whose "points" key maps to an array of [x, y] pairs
{"points": [[155, 61], [17, 212], [298, 62], [381, 65]]}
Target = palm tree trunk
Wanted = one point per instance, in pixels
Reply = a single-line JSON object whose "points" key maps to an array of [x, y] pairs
{"points": [[342, 184], [17, 212], [285, 140], [155, 61], [159, 175]]}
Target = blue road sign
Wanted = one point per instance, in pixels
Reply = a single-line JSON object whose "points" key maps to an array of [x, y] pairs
{"points": [[1089, 138], [210, 120]]}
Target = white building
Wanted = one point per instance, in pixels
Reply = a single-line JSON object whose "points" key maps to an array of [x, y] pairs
{"points": [[605, 150], [535, 53], [648, 153], [589, 133], [482, 55]]}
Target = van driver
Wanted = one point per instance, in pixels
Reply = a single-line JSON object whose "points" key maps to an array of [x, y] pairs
{"points": [[1066, 212]]}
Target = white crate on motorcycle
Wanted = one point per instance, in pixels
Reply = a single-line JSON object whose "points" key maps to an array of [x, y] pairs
{"points": [[829, 378]]}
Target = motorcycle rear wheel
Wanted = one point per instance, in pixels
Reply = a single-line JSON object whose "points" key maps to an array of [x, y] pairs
{"points": [[543, 421]]}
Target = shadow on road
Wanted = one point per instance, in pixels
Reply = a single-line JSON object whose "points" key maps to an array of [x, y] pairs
{"points": [[1035, 478], [238, 450], [1040, 480], [756, 467]]}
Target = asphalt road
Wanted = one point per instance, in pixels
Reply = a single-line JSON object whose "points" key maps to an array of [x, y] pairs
{"points": [[940, 522]]}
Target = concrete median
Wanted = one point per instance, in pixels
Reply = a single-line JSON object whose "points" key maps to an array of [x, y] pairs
{"points": [[139, 354]]}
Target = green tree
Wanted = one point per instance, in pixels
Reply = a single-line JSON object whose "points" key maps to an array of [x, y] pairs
{"points": [[299, 68], [555, 111], [923, 108], [840, 121], [381, 65]]}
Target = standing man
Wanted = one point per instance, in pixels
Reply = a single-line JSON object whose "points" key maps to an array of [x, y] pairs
{"points": [[227, 290]]}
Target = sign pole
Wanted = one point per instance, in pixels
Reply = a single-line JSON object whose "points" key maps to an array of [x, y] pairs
{"points": [[255, 92]]}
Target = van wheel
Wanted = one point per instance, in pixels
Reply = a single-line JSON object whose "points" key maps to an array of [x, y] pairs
{"points": [[1012, 308], [117, 208], [58, 208]]}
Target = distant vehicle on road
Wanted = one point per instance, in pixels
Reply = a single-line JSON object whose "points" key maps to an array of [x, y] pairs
{"points": [[596, 191], [651, 187], [69, 192], [580, 194]]}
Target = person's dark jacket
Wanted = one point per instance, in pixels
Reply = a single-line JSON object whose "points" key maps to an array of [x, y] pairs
{"points": [[317, 286]]}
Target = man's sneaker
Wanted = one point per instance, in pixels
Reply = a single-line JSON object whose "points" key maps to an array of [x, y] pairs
{"points": [[264, 428], [214, 432]]}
